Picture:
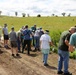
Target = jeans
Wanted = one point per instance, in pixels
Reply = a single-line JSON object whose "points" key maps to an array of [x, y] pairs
{"points": [[18, 43], [63, 60], [36, 41], [45, 57], [33, 40]]}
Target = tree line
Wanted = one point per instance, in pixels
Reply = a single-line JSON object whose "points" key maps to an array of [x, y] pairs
{"points": [[39, 15]]}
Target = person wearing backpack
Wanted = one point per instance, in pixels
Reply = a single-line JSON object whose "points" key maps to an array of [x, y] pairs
{"points": [[27, 40]]}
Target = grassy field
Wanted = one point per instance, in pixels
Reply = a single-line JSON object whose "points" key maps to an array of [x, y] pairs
{"points": [[50, 23], [53, 24]]}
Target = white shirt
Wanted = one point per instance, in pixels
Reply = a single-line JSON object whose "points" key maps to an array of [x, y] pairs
{"points": [[36, 33], [45, 39]]}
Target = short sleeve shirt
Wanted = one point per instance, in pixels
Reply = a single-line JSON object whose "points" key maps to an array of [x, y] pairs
{"points": [[45, 39], [13, 36], [5, 29], [73, 39]]}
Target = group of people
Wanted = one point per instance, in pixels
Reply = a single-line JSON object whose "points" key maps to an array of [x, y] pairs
{"points": [[23, 38], [41, 40]]}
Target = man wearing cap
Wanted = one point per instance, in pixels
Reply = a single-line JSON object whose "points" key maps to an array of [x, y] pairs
{"points": [[45, 42], [5, 34], [63, 51]]}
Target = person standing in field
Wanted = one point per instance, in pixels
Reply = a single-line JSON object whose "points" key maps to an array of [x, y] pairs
{"points": [[41, 32], [36, 38], [27, 40], [5, 34], [33, 29], [45, 42], [19, 40], [13, 42], [63, 51]]}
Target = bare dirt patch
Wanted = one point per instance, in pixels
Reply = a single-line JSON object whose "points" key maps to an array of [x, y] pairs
{"points": [[30, 65]]}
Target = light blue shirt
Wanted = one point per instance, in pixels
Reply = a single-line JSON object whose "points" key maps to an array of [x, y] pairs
{"points": [[73, 39]]}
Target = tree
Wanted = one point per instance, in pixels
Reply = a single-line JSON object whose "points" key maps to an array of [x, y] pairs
{"points": [[16, 13], [23, 14], [38, 15], [63, 14], [53, 14], [69, 14], [28, 15], [0, 12]]}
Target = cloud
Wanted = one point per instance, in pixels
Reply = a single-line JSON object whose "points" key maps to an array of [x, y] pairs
{"points": [[34, 7]]}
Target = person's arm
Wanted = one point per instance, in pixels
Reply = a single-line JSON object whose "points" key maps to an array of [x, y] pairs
{"points": [[67, 42], [51, 43], [40, 44], [2, 31], [67, 39], [72, 43], [71, 48]]}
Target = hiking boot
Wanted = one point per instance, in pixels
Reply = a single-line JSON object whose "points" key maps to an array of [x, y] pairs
{"points": [[38, 49], [35, 50], [17, 55], [60, 72], [13, 55], [67, 73], [46, 65], [19, 51]]}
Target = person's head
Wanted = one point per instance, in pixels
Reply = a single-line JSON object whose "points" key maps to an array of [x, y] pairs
{"points": [[72, 30], [26, 26], [5, 25], [46, 31], [35, 25], [12, 28]]}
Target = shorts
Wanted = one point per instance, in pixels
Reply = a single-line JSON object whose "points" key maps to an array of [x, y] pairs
{"points": [[6, 37], [13, 44]]}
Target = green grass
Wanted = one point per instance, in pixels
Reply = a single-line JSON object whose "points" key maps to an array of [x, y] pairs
{"points": [[50, 23]]}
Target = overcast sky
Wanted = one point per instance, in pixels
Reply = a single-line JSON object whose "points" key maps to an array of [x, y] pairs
{"points": [[35, 7]]}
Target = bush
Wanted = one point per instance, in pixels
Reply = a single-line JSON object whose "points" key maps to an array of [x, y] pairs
{"points": [[55, 35], [73, 55], [54, 49], [38, 15]]}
